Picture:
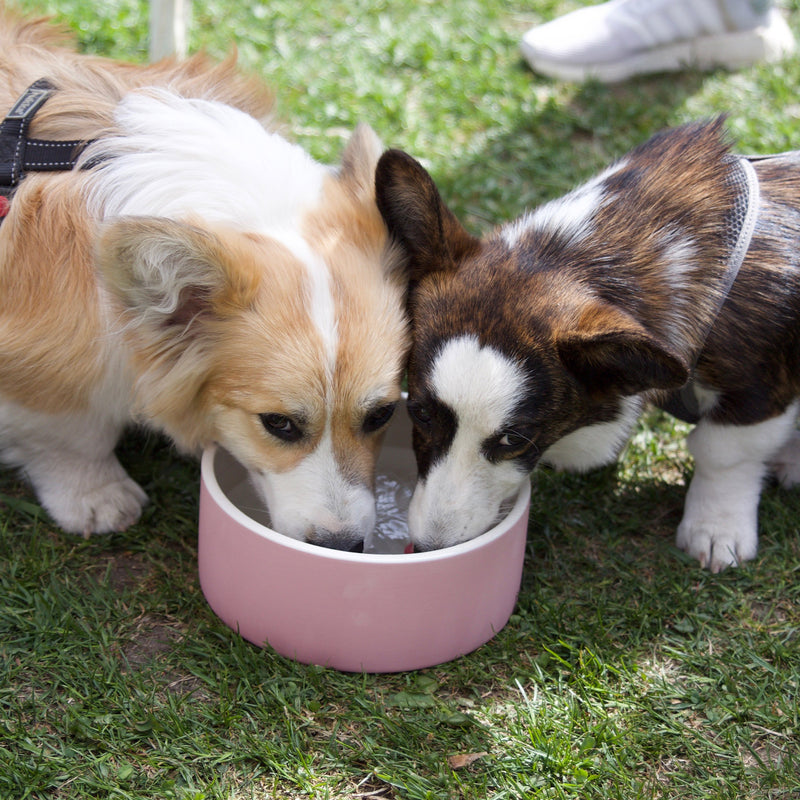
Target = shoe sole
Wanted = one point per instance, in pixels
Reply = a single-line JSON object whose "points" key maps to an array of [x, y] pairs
{"points": [[728, 50]]}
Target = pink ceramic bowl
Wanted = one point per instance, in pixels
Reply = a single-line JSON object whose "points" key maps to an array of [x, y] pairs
{"points": [[354, 611]]}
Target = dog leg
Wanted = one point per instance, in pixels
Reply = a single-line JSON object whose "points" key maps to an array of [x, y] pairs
{"points": [[86, 496], [786, 463], [720, 520], [72, 467]]}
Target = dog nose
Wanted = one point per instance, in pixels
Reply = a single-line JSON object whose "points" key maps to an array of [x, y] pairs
{"points": [[348, 539]]}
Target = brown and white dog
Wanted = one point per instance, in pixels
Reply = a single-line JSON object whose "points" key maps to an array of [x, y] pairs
{"points": [[541, 341], [199, 274]]}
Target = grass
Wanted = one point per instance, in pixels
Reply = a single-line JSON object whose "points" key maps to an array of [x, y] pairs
{"points": [[625, 672]]}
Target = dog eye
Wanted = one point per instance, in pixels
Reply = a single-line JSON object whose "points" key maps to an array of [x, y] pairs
{"points": [[281, 427], [377, 418], [510, 444], [419, 414], [511, 440]]}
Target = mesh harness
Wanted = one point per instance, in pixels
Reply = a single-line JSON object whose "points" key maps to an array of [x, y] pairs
{"points": [[739, 226]]}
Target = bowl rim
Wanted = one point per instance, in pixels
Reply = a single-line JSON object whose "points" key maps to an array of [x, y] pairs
{"points": [[209, 478]]}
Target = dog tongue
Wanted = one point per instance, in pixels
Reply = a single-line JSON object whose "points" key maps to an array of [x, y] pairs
{"points": [[409, 548]]}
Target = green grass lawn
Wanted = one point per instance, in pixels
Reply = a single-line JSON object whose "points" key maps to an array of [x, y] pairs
{"points": [[625, 672]]}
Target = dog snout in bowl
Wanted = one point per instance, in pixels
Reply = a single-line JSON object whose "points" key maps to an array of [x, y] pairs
{"points": [[350, 540], [319, 509]]}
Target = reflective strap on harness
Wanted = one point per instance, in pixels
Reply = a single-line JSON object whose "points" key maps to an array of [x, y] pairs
{"points": [[18, 154], [749, 212], [14, 131]]}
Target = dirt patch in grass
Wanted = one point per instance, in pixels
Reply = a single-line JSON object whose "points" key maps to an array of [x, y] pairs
{"points": [[151, 638], [149, 646], [124, 571]]}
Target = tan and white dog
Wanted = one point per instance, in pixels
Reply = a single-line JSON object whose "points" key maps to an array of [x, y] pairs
{"points": [[196, 273], [672, 277]]}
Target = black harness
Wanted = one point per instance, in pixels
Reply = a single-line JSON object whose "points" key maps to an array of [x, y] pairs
{"points": [[19, 154]]}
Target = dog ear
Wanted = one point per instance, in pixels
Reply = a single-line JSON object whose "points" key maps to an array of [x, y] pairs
{"points": [[417, 217], [622, 359], [359, 159], [170, 276], [177, 285]]}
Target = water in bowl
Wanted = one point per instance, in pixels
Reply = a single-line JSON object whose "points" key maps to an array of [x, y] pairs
{"points": [[393, 489], [392, 496]]}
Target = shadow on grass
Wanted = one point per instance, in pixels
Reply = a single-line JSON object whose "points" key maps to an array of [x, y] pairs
{"points": [[562, 142]]}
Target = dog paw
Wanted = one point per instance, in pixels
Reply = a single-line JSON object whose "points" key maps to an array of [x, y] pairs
{"points": [[785, 465], [717, 545], [114, 507], [94, 500]]}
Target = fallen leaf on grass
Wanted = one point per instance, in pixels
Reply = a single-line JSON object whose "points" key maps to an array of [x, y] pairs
{"points": [[411, 700], [461, 760]]}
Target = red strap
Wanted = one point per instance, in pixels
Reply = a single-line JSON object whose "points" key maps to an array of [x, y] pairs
{"points": [[4, 205]]}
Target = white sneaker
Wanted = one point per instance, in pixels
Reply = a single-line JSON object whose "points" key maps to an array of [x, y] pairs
{"points": [[618, 39]]}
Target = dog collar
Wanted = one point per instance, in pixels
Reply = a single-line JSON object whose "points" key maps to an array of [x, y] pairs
{"points": [[740, 225], [19, 155]]}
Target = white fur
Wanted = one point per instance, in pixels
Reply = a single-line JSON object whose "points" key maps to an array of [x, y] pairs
{"points": [[69, 459], [706, 398], [595, 445], [178, 157], [325, 506], [571, 216], [479, 383], [320, 301], [720, 520], [680, 256], [786, 463], [462, 493]]}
